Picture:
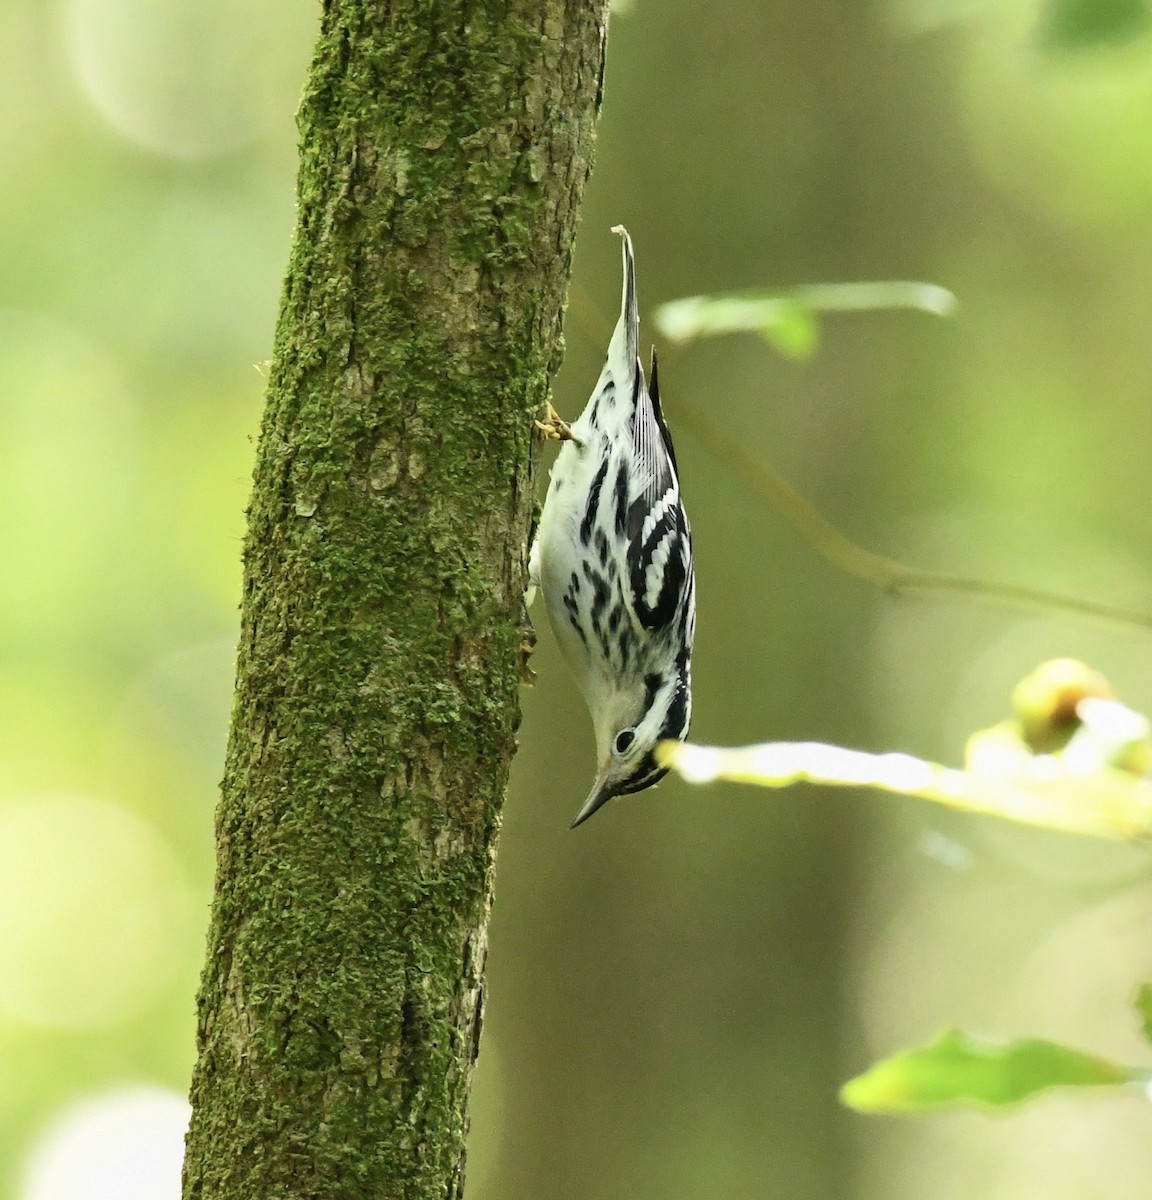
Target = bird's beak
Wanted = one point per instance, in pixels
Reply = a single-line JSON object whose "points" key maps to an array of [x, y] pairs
{"points": [[597, 798]]}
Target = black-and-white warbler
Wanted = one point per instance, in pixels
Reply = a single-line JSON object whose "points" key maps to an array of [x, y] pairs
{"points": [[613, 557]]}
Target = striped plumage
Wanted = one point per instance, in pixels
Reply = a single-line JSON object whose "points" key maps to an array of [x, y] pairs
{"points": [[613, 557]]}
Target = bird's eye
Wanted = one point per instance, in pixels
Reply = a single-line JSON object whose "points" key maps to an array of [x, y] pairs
{"points": [[624, 739]]}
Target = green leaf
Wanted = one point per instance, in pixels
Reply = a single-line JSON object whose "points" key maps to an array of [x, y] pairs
{"points": [[1088, 24], [1144, 1008], [789, 319], [957, 1068], [1002, 778], [793, 330]]}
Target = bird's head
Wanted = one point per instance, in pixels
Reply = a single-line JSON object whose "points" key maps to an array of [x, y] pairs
{"points": [[629, 724]]}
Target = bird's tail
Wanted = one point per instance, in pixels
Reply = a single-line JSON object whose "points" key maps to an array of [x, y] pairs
{"points": [[626, 339]]}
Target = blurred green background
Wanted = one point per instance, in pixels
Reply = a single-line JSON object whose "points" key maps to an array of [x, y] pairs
{"points": [[677, 989]]}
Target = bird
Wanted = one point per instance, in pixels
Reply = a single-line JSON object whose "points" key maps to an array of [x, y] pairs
{"points": [[613, 560]]}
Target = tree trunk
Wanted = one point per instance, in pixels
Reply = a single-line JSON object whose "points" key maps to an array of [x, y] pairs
{"points": [[444, 149]]}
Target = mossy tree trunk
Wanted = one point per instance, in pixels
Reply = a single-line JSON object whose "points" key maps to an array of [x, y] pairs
{"points": [[445, 145]]}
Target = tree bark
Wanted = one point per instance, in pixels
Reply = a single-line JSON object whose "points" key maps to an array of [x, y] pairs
{"points": [[444, 149]]}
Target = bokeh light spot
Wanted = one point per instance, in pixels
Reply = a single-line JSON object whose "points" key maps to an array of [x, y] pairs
{"points": [[191, 79], [94, 912], [183, 701], [124, 1145]]}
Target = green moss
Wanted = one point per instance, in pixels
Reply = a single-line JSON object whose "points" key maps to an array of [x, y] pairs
{"points": [[444, 148]]}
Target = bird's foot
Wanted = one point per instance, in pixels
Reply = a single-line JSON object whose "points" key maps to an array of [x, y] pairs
{"points": [[554, 428]]}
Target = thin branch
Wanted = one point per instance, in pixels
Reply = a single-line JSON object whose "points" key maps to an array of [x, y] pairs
{"points": [[887, 574]]}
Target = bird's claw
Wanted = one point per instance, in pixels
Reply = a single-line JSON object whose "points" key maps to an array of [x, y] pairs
{"points": [[554, 428]]}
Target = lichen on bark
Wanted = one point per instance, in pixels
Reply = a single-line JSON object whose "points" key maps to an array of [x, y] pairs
{"points": [[444, 150]]}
